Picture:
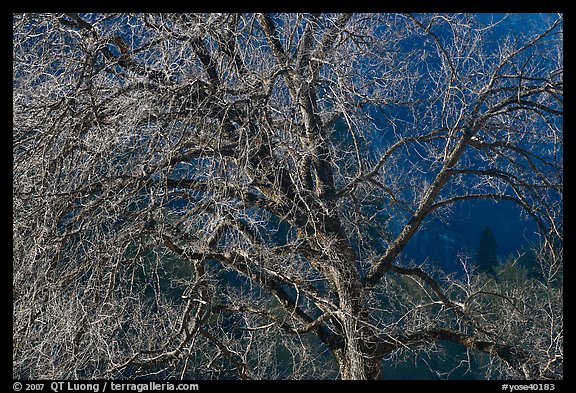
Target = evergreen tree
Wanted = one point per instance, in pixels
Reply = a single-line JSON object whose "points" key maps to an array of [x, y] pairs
{"points": [[486, 258]]}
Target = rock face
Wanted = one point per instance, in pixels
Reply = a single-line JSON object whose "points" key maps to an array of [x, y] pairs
{"points": [[438, 245], [441, 243]]}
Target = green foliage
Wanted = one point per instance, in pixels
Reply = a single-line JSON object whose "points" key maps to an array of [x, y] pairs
{"points": [[511, 272], [448, 361]]}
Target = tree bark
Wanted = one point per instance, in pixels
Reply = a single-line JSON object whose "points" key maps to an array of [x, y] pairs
{"points": [[355, 361], [359, 357]]}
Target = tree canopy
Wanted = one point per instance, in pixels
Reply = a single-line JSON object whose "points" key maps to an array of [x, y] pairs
{"points": [[230, 195]]}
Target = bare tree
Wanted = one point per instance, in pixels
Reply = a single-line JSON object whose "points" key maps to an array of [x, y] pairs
{"points": [[229, 196]]}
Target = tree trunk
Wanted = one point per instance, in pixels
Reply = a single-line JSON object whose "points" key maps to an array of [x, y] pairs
{"points": [[359, 357], [357, 360]]}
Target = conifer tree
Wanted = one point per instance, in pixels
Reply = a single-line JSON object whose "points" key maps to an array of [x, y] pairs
{"points": [[486, 258]]}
